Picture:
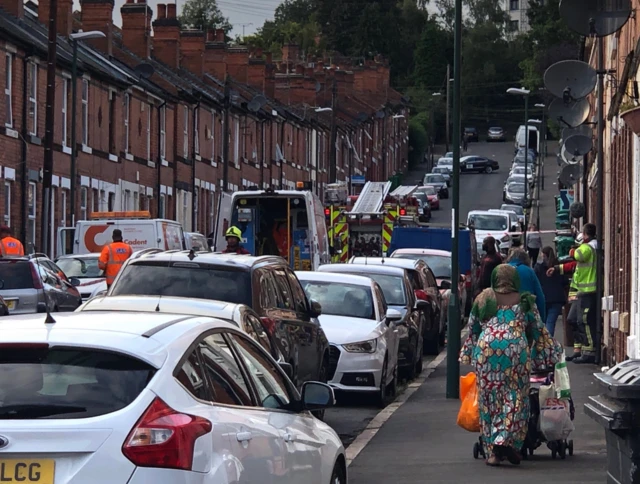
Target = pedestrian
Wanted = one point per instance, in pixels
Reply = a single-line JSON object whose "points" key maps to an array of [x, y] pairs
{"points": [[233, 235], [553, 288], [465, 143], [534, 243], [9, 245], [113, 255], [490, 260], [507, 340], [529, 282], [584, 279]]}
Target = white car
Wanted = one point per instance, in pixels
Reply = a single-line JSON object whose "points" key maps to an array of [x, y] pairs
{"points": [[519, 172], [446, 162], [361, 331], [117, 397], [492, 224], [85, 268]]}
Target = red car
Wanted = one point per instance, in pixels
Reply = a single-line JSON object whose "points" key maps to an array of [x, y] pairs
{"points": [[432, 195]]}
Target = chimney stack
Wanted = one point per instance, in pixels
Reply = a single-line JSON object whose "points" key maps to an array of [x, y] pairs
{"points": [[290, 52], [13, 8], [166, 36], [214, 54], [98, 15], [65, 14], [136, 27], [192, 46], [220, 35]]}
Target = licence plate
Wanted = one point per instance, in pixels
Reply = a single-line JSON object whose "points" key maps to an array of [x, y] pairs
{"points": [[27, 470], [469, 166], [11, 304]]}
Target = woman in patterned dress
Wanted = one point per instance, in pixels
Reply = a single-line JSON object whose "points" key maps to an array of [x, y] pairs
{"points": [[507, 340]]}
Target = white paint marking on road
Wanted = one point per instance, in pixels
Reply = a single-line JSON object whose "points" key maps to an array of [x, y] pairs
{"points": [[384, 415]]}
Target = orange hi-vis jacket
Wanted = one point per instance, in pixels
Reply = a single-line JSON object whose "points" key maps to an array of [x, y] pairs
{"points": [[112, 258], [11, 246]]}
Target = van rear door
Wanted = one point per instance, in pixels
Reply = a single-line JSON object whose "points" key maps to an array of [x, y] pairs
{"points": [[225, 205]]}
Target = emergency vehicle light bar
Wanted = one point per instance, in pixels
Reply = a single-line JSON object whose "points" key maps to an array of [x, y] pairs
{"points": [[121, 215]]}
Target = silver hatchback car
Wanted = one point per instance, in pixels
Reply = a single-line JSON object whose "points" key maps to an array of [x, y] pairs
{"points": [[34, 284]]}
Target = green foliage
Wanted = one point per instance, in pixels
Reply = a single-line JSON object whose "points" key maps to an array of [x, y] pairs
{"points": [[433, 52], [418, 142], [204, 15]]}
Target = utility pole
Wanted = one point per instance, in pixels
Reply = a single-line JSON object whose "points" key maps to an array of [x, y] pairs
{"points": [[526, 168], [453, 330], [74, 153], [225, 135], [47, 168], [600, 201], [333, 169], [448, 129]]}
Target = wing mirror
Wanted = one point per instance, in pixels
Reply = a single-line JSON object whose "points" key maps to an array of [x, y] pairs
{"points": [[393, 315], [316, 308], [445, 284], [74, 281], [317, 396]]}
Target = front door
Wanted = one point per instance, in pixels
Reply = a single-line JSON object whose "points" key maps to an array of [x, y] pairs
{"points": [[223, 220]]}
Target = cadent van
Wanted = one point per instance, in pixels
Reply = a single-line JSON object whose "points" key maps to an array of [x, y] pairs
{"points": [[286, 223], [139, 230]]}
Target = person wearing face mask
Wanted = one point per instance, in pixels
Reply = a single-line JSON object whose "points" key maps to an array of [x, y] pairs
{"points": [[553, 288]]}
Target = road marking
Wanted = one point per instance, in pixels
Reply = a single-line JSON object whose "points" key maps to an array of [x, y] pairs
{"points": [[381, 418]]}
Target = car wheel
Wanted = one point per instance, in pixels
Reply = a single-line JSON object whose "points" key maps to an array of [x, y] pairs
{"points": [[322, 377], [419, 365], [411, 370], [338, 475], [382, 399], [488, 170]]}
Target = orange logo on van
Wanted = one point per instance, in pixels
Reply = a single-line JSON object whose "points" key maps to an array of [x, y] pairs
{"points": [[90, 237]]}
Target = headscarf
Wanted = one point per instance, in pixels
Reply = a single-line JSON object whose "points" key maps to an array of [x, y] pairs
{"points": [[504, 280]]}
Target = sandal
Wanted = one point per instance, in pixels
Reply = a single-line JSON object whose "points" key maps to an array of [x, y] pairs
{"points": [[493, 461]]}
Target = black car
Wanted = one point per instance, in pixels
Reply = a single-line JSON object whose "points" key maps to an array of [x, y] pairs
{"points": [[439, 182], [471, 134], [266, 284], [478, 164]]}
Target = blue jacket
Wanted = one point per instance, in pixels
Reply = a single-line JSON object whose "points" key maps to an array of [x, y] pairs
{"points": [[529, 283]]}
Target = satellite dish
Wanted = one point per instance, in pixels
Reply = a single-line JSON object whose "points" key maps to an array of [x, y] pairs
{"points": [[253, 106], [570, 174], [595, 17], [571, 114], [380, 114], [578, 144], [568, 158], [570, 79], [362, 117], [144, 70], [256, 103], [318, 87], [584, 130]]}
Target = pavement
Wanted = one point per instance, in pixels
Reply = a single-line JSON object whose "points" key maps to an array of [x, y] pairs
{"points": [[416, 439]]}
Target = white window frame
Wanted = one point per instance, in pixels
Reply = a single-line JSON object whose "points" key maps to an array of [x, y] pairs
{"points": [[185, 133], [103, 200], [163, 206], [84, 200], [163, 132], [196, 212], [65, 109], [52, 217], [8, 88], [196, 131], [185, 208], [63, 207], [32, 217], [213, 136], [236, 141], [127, 110], [7, 203], [85, 112], [149, 133], [136, 201], [33, 99], [126, 199], [212, 208]]}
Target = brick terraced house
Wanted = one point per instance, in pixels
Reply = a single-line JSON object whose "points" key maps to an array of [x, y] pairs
{"points": [[150, 111]]}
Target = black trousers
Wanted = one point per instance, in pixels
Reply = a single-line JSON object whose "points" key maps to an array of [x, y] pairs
{"points": [[533, 255]]}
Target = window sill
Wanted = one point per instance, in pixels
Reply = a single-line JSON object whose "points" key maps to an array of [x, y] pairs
{"points": [[66, 150], [128, 156], [164, 162], [11, 132], [151, 164], [33, 138], [214, 164], [198, 158], [87, 149], [113, 158]]}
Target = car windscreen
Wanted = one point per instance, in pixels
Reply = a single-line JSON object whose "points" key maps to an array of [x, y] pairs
{"points": [[79, 267], [434, 179], [42, 382], [339, 299], [516, 187], [392, 288], [488, 222], [421, 197], [15, 275], [495, 130], [442, 171], [445, 162], [440, 265], [428, 190], [188, 280], [514, 208]]}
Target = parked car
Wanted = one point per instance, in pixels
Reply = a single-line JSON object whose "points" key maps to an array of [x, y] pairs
{"points": [[446, 162], [397, 289], [4, 309], [266, 284], [438, 182], [496, 134], [513, 221], [518, 171], [362, 332], [471, 134], [425, 287], [153, 397], [84, 267], [424, 207], [36, 285], [439, 261], [514, 193], [479, 164], [520, 158], [519, 211], [444, 171], [432, 195]]}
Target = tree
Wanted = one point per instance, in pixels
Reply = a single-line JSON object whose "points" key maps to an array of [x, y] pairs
{"points": [[299, 11], [204, 15], [432, 54]]}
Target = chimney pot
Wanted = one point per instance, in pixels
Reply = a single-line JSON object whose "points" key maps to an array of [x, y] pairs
{"points": [[171, 10], [162, 10], [211, 35], [220, 35]]}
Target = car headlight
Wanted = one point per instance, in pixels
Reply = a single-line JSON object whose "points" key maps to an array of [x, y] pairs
{"points": [[363, 347], [506, 238]]}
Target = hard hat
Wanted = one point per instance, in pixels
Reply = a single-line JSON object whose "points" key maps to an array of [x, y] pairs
{"points": [[233, 231]]}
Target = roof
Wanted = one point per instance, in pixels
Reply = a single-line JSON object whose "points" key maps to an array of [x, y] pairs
{"points": [[93, 255], [218, 259], [333, 277], [443, 253], [362, 269], [397, 262]]}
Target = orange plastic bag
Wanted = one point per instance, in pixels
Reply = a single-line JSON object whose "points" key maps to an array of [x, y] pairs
{"points": [[469, 414]]}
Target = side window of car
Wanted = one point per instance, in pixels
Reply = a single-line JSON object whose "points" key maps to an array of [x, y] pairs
{"points": [[284, 291], [265, 289], [431, 279], [223, 371], [261, 336], [270, 383], [192, 378], [299, 298], [381, 303], [415, 280]]}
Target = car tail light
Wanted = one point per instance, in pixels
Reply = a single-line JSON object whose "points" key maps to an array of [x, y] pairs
{"points": [[164, 437], [269, 325], [420, 294], [37, 282]]}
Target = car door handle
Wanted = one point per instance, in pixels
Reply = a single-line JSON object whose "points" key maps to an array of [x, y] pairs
{"points": [[289, 437], [244, 436]]}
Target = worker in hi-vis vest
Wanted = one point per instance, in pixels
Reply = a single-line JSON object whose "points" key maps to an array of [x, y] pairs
{"points": [[9, 245], [113, 256]]}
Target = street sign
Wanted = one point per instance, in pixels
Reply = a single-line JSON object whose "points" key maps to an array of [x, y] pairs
{"points": [[357, 180], [566, 199]]}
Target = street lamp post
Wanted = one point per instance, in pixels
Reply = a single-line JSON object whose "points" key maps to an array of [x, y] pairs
{"points": [[544, 144], [433, 126], [93, 34], [537, 121], [524, 93]]}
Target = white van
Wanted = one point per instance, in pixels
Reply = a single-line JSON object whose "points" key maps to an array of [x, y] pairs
{"points": [[270, 218], [494, 224], [534, 139], [139, 230]]}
